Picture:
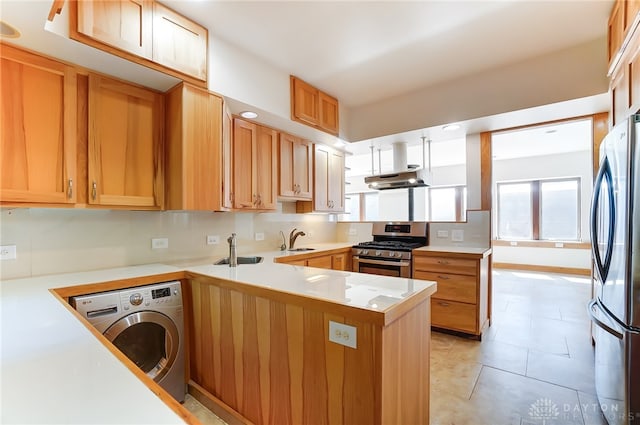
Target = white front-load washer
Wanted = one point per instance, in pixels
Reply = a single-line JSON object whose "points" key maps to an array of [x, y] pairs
{"points": [[145, 323]]}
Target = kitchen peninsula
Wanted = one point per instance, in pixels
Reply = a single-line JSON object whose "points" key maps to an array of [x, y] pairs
{"points": [[258, 344]]}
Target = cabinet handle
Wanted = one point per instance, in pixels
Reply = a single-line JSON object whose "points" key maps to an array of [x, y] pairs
{"points": [[94, 190], [70, 189], [255, 199], [443, 277], [443, 304], [443, 262], [259, 199]]}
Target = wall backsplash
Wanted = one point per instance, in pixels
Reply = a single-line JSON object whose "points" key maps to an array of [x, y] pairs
{"points": [[69, 240]]}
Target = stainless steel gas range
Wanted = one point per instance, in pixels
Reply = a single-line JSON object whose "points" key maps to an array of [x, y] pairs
{"points": [[389, 253]]}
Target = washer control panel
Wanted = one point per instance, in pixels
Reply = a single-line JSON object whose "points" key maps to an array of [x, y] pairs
{"points": [[159, 294]]}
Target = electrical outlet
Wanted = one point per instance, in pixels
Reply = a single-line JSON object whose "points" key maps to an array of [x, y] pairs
{"points": [[457, 235], [159, 243], [353, 231], [443, 233], [8, 252], [343, 334], [213, 239], [559, 245], [259, 236], [513, 243]]}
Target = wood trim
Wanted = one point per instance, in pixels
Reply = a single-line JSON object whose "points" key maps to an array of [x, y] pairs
{"points": [[153, 386], [599, 129], [217, 406], [535, 209], [56, 9], [486, 173], [539, 268], [444, 253], [541, 244]]}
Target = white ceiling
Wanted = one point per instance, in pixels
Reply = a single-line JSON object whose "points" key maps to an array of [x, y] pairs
{"points": [[365, 51]]}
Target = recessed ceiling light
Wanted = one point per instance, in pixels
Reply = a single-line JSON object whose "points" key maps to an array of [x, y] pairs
{"points": [[248, 114], [451, 127]]}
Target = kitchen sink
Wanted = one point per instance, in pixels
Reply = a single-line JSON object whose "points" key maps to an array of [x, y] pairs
{"points": [[241, 260], [302, 249]]}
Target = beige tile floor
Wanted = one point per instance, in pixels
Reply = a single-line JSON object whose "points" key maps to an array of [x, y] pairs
{"points": [[534, 364]]}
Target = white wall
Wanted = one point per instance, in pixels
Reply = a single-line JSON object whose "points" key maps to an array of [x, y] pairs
{"points": [[68, 240], [577, 164]]}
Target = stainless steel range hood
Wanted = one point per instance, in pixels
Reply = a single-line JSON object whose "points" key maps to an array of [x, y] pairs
{"points": [[399, 180], [403, 176]]}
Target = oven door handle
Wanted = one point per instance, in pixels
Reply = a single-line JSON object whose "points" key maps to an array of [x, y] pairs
{"points": [[382, 262]]}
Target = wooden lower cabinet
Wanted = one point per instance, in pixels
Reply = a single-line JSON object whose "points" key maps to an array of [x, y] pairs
{"points": [[266, 355], [37, 130], [336, 259], [462, 300]]}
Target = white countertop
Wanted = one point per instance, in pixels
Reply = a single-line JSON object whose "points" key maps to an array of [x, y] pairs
{"points": [[53, 370]]}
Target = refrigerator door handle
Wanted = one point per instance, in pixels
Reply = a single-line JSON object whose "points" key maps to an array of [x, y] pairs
{"points": [[602, 264], [609, 329]]}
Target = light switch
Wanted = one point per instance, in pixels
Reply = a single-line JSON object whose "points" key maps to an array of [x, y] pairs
{"points": [[8, 252], [457, 235]]}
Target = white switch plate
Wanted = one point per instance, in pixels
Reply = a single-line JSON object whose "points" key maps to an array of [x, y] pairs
{"points": [[457, 235], [443, 233], [259, 236], [213, 239], [559, 245], [353, 231], [159, 243], [343, 334], [8, 252]]}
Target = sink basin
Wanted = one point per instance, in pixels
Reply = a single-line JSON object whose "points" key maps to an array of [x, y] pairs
{"points": [[302, 249], [241, 260]]}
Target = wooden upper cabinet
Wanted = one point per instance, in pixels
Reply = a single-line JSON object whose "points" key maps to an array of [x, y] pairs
{"points": [[126, 153], [615, 29], [145, 32], [313, 107], [124, 24], [296, 168], [179, 43], [38, 129], [328, 118], [329, 180], [254, 166], [196, 160]]}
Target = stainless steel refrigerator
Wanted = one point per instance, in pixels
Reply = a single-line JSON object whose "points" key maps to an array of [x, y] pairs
{"points": [[615, 239]]}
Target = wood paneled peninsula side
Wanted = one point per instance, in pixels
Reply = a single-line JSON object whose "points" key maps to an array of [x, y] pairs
{"points": [[260, 345]]}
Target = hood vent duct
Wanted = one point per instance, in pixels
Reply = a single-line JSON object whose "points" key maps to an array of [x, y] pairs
{"points": [[403, 176]]}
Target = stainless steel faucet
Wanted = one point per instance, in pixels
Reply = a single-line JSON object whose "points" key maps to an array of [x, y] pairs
{"points": [[293, 236], [283, 246], [233, 255]]}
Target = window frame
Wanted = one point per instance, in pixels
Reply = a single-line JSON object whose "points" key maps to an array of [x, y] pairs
{"points": [[460, 199], [536, 210]]}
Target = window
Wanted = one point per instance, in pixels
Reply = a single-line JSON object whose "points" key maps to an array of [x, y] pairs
{"points": [[447, 203], [361, 207], [539, 210]]}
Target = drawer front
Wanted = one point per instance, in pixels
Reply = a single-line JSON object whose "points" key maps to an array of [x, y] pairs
{"points": [[453, 315], [454, 287], [444, 264]]}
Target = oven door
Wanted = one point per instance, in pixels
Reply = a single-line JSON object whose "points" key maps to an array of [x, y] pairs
{"points": [[396, 268]]}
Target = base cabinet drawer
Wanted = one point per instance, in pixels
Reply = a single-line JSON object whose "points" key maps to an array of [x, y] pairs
{"points": [[453, 287], [445, 265], [453, 315]]}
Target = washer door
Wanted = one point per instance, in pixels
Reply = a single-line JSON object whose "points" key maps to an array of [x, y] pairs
{"points": [[149, 339]]}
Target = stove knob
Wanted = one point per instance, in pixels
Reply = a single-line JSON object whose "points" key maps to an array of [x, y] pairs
{"points": [[365, 252], [378, 253], [391, 253], [398, 254]]}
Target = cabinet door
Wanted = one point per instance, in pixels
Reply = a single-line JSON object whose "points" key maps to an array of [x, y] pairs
{"points": [[303, 168], [126, 166], [179, 43], [194, 149], [227, 158], [244, 140], [323, 262], [124, 24], [305, 101], [266, 177], [328, 115], [321, 182], [336, 181], [619, 93], [286, 181], [340, 262], [38, 129]]}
